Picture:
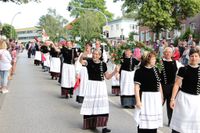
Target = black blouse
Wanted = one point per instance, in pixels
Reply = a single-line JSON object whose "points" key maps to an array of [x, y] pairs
{"points": [[96, 70], [148, 79], [69, 55], [127, 65], [44, 49], [54, 53], [190, 79], [168, 73]]}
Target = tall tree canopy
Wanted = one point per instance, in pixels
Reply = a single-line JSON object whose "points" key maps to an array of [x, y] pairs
{"points": [[53, 24], [160, 15], [90, 22], [20, 1], [9, 31]]}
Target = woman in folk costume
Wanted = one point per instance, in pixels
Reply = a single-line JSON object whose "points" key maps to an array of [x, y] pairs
{"points": [[95, 107], [55, 61], [168, 74], [45, 56], [38, 55], [148, 94], [115, 83], [68, 70], [82, 72], [126, 79], [186, 96]]}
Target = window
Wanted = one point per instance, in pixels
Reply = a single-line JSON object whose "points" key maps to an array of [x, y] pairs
{"points": [[117, 26], [192, 26], [147, 36], [131, 26], [112, 27]]}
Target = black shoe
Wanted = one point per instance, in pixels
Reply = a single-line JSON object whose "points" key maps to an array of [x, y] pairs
{"points": [[106, 130], [71, 96]]}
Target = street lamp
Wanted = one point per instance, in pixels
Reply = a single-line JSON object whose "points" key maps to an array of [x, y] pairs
{"points": [[13, 18], [89, 9]]}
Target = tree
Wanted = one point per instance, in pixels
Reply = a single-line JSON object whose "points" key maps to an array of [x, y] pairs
{"points": [[9, 31], [88, 29], [20, 1], [99, 6], [162, 15], [53, 24]]}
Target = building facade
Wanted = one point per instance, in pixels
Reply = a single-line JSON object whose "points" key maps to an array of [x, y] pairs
{"points": [[28, 34], [121, 28]]}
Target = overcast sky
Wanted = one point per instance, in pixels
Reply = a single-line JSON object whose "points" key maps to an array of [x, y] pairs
{"points": [[31, 12]]}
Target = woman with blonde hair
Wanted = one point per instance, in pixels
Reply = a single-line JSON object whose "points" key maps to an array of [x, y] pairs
{"points": [[5, 66]]}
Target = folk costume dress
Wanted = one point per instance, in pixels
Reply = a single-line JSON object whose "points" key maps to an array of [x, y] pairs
{"points": [[45, 57], [151, 115], [38, 56], [115, 83], [68, 71], [127, 72], [168, 75], [186, 113], [54, 63], [83, 74], [95, 107]]}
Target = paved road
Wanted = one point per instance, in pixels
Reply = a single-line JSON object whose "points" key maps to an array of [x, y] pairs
{"points": [[34, 106]]}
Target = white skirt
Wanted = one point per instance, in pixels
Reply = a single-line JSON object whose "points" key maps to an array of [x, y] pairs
{"points": [[186, 114], [127, 83], [55, 65], [115, 81], [68, 75], [47, 61], [38, 56], [83, 81], [151, 113], [96, 99]]}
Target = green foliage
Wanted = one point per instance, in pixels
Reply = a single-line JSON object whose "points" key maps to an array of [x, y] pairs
{"points": [[88, 29], [20, 1], [93, 4], [117, 52], [9, 31], [161, 15], [131, 35], [186, 34], [53, 24], [90, 21]]}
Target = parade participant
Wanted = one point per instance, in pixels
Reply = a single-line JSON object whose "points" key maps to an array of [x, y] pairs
{"points": [[5, 65], [68, 70], [115, 83], [126, 79], [148, 93], [38, 55], [185, 97], [55, 61], [100, 47], [95, 107], [45, 56], [168, 74], [82, 72]]}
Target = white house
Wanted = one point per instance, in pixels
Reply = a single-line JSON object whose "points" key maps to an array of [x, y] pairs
{"points": [[122, 27]]}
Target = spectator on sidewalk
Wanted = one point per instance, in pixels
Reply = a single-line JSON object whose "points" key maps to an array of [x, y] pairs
{"points": [[5, 65]]}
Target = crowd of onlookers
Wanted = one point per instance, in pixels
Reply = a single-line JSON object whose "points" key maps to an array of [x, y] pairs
{"points": [[8, 59]]}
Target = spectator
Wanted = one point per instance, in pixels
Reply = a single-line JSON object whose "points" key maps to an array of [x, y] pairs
{"points": [[5, 65]]}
